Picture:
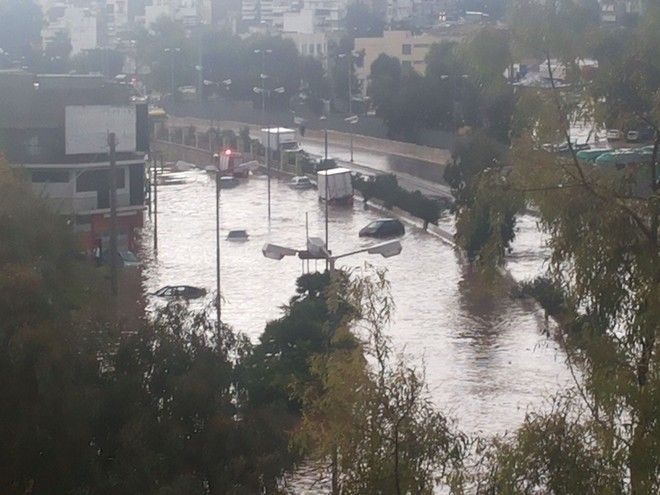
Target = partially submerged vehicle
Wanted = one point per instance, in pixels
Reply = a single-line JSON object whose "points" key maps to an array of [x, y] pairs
{"points": [[228, 182], [238, 236], [180, 292], [383, 228], [301, 182]]}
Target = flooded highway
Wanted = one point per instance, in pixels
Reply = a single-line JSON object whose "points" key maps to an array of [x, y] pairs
{"points": [[384, 162], [486, 357]]}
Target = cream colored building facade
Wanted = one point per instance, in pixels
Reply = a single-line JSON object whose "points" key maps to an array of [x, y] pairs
{"points": [[409, 48]]}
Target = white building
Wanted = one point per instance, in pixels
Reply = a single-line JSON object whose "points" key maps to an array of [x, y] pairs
{"points": [[295, 15], [158, 9], [81, 25], [399, 10], [620, 11], [299, 22]]}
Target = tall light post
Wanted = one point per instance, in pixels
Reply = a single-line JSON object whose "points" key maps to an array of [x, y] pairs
{"points": [[316, 249], [268, 92], [325, 165], [218, 173], [352, 120], [262, 76], [171, 52]]}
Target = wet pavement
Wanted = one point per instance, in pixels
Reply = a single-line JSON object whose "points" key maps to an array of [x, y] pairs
{"points": [[486, 356]]}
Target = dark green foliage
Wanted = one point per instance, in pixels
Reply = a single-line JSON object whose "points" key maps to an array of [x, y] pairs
{"points": [[362, 21], [326, 164], [548, 294], [280, 362], [485, 210], [158, 407], [20, 28], [463, 85], [102, 60], [386, 188]]}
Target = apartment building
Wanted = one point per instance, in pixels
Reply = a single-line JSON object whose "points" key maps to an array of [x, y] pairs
{"points": [[621, 12], [54, 128], [409, 48], [82, 25]]}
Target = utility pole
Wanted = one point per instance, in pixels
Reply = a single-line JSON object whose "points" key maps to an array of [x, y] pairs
{"points": [[350, 81], [156, 201], [113, 213], [327, 198], [268, 169], [217, 242], [149, 179]]}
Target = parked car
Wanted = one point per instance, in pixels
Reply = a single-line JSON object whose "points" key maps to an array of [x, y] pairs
{"points": [[301, 182], [124, 258], [228, 182], [613, 134], [632, 136], [180, 292], [383, 227], [237, 235]]}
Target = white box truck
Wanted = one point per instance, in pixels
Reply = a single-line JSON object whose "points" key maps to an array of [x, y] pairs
{"points": [[281, 138], [339, 185]]}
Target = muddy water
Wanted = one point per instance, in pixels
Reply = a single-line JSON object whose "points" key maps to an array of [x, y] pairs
{"points": [[487, 360]]}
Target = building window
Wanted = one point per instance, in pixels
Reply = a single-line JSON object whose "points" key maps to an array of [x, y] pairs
{"points": [[50, 176], [406, 64], [318, 49], [406, 49], [97, 180]]}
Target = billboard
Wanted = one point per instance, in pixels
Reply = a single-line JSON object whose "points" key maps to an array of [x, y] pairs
{"points": [[86, 128]]}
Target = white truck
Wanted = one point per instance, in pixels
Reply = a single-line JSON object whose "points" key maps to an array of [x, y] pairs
{"points": [[281, 138], [337, 182]]}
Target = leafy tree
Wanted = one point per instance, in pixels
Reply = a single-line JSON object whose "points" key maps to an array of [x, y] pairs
{"points": [[485, 213], [171, 55], [604, 243], [375, 424], [55, 57], [362, 21], [100, 60], [160, 406], [20, 28]]}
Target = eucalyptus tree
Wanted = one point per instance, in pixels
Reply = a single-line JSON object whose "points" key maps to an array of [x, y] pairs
{"points": [[602, 227]]}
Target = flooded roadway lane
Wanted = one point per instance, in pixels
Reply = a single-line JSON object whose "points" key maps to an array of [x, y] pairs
{"points": [[486, 358]]}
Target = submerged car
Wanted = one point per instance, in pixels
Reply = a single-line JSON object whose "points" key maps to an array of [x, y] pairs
{"points": [[180, 292], [228, 182], [383, 227], [614, 134], [237, 235], [632, 136], [301, 182]]}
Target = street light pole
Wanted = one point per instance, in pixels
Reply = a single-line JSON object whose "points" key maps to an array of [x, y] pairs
{"points": [[268, 168], [325, 164], [352, 120], [217, 240], [268, 92], [317, 251], [113, 213]]}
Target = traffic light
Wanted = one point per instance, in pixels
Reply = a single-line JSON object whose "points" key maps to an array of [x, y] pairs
{"points": [[227, 160]]}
